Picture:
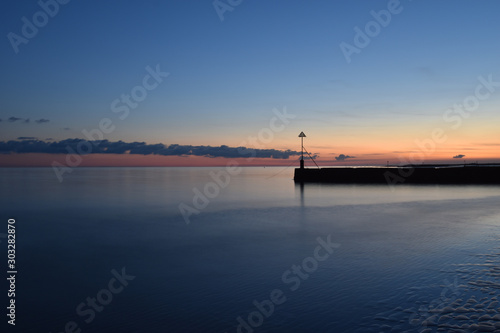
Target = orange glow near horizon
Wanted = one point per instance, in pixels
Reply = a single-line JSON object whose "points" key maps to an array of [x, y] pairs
{"points": [[373, 141]]}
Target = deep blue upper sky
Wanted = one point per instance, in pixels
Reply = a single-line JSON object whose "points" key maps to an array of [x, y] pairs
{"points": [[227, 76]]}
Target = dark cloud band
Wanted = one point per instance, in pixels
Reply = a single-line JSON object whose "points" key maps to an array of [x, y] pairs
{"points": [[29, 145]]}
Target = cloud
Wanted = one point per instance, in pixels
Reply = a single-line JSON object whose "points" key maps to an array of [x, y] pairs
{"points": [[313, 157], [14, 119], [459, 156], [343, 157], [27, 138], [32, 145], [27, 120]]}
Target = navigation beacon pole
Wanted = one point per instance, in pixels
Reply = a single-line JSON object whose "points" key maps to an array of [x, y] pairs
{"points": [[302, 136]]}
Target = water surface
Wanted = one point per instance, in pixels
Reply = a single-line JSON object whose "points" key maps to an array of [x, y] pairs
{"points": [[411, 258]]}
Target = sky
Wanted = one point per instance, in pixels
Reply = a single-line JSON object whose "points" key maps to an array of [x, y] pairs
{"points": [[368, 82]]}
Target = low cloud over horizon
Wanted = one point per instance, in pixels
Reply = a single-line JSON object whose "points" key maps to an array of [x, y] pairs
{"points": [[458, 156], [81, 146], [343, 157]]}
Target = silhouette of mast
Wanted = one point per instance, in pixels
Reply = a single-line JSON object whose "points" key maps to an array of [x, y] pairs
{"points": [[302, 136]]}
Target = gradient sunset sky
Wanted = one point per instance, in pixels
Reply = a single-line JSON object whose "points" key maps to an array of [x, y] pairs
{"points": [[396, 94]]}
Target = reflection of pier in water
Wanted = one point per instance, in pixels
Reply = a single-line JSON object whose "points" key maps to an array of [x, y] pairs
{"points": [[301, 185]]}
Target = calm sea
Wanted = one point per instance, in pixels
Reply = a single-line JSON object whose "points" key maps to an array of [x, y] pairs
{"points": [[206, 250]]}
